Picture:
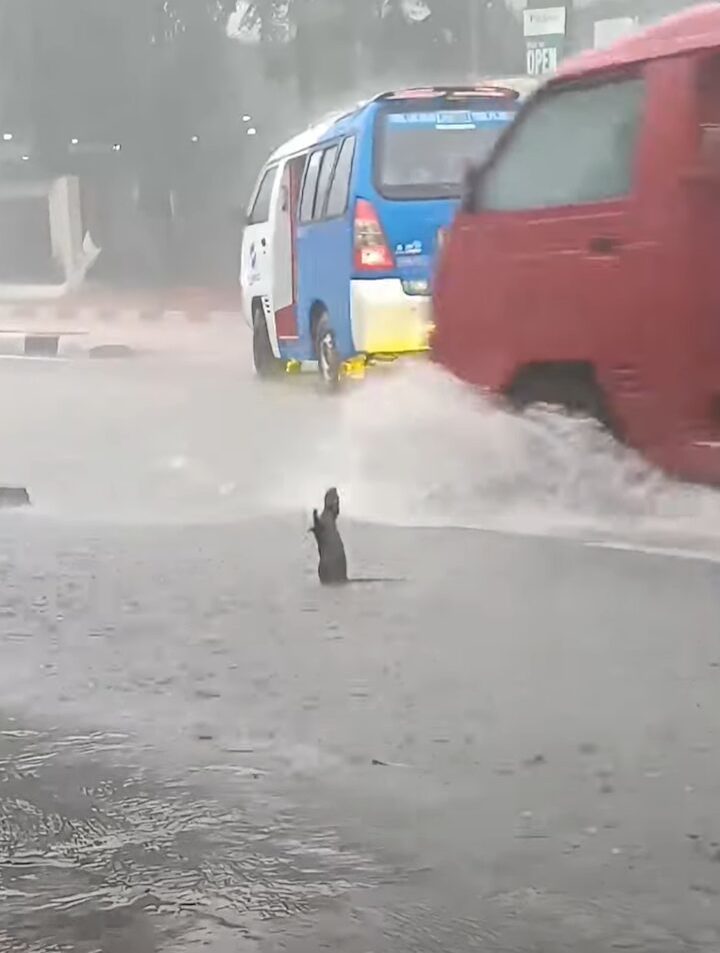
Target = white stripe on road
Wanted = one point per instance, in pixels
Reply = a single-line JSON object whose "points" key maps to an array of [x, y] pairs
{"points": [[669, 552], [36, 357]]}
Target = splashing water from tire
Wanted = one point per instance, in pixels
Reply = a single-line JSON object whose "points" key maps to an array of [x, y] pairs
{"points": [[417, 447]]}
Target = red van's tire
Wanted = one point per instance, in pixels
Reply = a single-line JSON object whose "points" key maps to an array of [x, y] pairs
{"points": [[267, 366], [328, 358], [573, 390]]}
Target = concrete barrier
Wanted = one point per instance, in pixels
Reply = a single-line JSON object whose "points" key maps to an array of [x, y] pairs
{"points": [[101, 324], [41, 233]]}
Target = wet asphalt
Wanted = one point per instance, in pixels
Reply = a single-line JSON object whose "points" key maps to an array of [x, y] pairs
{"points": [[514, 747]]}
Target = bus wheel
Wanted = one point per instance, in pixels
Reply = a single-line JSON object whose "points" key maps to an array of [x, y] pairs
{"points": [[327, 354], [266, 364]]}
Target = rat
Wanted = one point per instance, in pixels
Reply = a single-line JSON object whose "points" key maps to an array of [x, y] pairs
{"points": [[332, 568]]}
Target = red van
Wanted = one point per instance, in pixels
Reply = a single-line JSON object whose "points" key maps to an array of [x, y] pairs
{"points": [[583, 268]]}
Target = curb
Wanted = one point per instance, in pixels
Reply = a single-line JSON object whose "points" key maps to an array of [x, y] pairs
{"points": [[61, 345], [113, 327]]}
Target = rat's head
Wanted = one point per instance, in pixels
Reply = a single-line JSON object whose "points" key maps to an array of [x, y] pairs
{"points": [[332, 502]]}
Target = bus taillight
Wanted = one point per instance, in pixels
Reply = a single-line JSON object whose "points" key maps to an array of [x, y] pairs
{"points": [[372, 252]]}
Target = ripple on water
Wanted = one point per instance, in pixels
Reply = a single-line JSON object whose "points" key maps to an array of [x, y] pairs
{"points": [[82, 843]]}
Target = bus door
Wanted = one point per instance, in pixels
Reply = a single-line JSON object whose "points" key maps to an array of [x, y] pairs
{"points": [[284, 253]]}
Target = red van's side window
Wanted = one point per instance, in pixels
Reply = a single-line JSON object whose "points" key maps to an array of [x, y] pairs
{"points": [[575, 146], [709, 91], [708, 112]]}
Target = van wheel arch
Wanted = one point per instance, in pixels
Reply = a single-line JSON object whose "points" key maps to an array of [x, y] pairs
{"points": [[572, 386]]}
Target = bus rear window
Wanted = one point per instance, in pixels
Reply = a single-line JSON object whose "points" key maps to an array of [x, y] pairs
{"points": [[423, 153]]}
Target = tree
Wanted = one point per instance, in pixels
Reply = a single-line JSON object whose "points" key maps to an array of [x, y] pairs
{"points": [[161, 79], [143, 76], [326, 48]]}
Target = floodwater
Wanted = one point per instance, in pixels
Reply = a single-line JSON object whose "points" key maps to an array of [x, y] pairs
{"points": [[96, 854], [513, 748], [176, 442]]}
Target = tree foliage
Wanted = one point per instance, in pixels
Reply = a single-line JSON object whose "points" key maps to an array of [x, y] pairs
{"points": [[161, 77], [337, 45], [110, 68]]}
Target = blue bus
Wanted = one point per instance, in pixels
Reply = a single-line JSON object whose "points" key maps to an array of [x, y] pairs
{"points": [[345, 222]]}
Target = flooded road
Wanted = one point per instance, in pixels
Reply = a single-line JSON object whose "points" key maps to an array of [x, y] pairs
{"points": [[96, 854], [515, 748]]}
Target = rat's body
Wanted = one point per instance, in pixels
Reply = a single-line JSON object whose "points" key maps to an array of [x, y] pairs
{"points": [[332, 568]]}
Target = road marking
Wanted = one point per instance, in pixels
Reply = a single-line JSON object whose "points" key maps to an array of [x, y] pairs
{"points": [[35, 357], [671, 552]]}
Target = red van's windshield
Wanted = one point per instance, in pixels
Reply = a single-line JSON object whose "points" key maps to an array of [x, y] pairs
{"points": [[423, 151]]}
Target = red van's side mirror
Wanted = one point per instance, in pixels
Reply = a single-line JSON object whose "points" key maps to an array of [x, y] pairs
{"points": [[706, 169], [471, 190]]}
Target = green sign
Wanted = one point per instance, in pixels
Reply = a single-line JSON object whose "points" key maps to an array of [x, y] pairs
{"points": [[544, 29]]}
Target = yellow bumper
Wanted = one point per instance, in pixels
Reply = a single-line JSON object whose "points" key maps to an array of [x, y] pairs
{"points": [[385, 320]]}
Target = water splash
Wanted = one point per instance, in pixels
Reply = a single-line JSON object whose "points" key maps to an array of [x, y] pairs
{"points": [[417, 447], [409, 446]]}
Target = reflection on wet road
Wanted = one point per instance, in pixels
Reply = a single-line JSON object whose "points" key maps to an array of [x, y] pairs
{"points": [[89, 850], [514, 749]]}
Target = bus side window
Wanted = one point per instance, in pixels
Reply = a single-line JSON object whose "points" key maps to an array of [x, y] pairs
{"points": [[340, 187], [326, 169], [307, 202]]}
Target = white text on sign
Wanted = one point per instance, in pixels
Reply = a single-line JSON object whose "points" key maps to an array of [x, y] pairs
{"points": [[541, 60]]}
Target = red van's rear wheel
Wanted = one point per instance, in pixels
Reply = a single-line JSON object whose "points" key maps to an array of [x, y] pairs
{"points": [[571, 388]]}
